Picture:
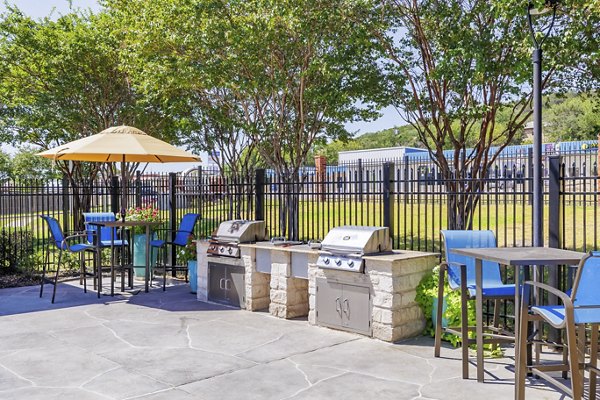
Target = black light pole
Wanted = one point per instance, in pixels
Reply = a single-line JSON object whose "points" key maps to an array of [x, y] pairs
{"points": [[538, 191], [538, 187]]}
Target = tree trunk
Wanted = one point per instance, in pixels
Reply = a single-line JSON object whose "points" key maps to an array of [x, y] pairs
{"points": [[289, 189]]}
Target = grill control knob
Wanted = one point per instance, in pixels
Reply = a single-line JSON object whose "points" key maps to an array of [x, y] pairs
{"points": [[222, 249], [338, 262], [230, 250], [326, 261], [351, 264]]}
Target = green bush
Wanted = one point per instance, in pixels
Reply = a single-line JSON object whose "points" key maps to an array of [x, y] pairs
{"points": [[427, 291], [16, 249]]}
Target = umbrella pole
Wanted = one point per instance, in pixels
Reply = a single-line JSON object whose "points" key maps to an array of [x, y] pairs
{"points": [[123, 190]]}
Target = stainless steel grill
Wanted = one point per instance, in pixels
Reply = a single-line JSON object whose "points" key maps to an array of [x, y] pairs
{"points": [[231, 233], [344, 246]]}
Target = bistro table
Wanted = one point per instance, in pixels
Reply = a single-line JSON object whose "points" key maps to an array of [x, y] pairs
{"points": [[124, 224], [510, 256]]}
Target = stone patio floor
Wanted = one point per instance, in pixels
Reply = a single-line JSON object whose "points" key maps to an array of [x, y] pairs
{"points": [[167, 345]]}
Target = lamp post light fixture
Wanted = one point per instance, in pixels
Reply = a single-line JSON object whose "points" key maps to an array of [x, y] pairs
{"points": [[538, 209]]}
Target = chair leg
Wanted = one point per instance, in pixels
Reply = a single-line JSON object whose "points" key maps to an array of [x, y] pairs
{"points": [[122, 263], [83, 272], [576, 381], [56, 276], [521, 362], [593, 360], [165, 268], [565, 356], [130, 266], [439, 312], [464, 323], [496, 321], [44, 271], [95, 269]]}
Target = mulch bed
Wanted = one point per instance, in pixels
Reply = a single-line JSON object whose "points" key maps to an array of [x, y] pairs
{"points": [[11, 278]]}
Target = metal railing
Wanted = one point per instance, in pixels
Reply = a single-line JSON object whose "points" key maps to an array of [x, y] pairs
{"points": [[408, 195]]}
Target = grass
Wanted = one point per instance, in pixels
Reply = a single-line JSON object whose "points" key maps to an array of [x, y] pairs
{"points": [[416, 221], [417, 224]]}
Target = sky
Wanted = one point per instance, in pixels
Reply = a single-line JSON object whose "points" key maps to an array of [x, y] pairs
{"points": [[42, 8]]}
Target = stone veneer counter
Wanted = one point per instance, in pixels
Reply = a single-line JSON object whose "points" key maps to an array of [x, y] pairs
{"points": [[392, 279], [277, 277]]}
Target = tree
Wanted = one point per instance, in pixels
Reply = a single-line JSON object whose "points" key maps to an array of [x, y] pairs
{"points": [[61, 80], [571, 118], [27, 165], [454, 66], [211, 114], [5, 166], [288, 73], [304, 68]]}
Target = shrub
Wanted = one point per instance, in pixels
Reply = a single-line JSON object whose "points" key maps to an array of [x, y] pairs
{"points": [[16, 249], [427, 291]]}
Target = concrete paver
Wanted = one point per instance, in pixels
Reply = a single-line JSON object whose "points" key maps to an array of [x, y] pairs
{"points": [[167, 345]]}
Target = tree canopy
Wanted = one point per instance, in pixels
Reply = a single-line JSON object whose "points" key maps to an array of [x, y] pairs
{"points": [[61, 80], [454, 67], [286, 74]]}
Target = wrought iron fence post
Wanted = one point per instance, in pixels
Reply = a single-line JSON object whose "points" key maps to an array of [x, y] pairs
{"points": [[360, 180], [173, 217], [555, 229], [554, 204], [66, 206], [530, 175], [198, 190], [114, 194], [259, 182], [388, 194], [138, 189]]}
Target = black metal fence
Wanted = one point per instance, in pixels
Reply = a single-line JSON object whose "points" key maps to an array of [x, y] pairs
{"points": [[408, 195]]}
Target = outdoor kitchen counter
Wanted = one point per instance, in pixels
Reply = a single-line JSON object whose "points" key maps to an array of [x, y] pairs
{"points": [[389, 284], [277, 277], [300, 248]]}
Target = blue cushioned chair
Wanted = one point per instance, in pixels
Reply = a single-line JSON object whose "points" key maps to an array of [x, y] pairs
{"points": [[461, 275], [64, 243], [580, 309], [103, 240], [180, 238]]}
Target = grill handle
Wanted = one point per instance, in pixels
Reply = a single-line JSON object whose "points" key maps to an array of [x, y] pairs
{"points": [[221, 284], [338, 306]]}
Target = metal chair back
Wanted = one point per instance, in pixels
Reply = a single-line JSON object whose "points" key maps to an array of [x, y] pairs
{"points": [[585, 294], [104, 232], [458, 239], [56, 232], [186, 228]]}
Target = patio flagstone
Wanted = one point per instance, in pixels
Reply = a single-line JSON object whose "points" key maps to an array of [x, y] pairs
{"points": [[167, 345]]}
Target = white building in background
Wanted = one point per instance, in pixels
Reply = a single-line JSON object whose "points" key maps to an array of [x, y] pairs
{"points": [[364, 168], [378, 155]]}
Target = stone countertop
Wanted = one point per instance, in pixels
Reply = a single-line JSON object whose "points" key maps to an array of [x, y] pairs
{"points": [[299, 248], [304, 248], [396, 255]]}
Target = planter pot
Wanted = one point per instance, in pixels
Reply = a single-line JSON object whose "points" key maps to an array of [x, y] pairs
{"points": [[434, 312], [193, 275], [139, 255]]}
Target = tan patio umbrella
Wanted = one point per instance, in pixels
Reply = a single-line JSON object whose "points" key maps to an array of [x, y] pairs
{"points": [[119, 144]]}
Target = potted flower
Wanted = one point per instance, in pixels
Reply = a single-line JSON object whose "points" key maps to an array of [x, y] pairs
{"points": [[187, 255], [145, 213]]}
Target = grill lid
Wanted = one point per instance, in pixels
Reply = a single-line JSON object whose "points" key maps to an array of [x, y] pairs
{"points": [[357, 240], [240, 231]]}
